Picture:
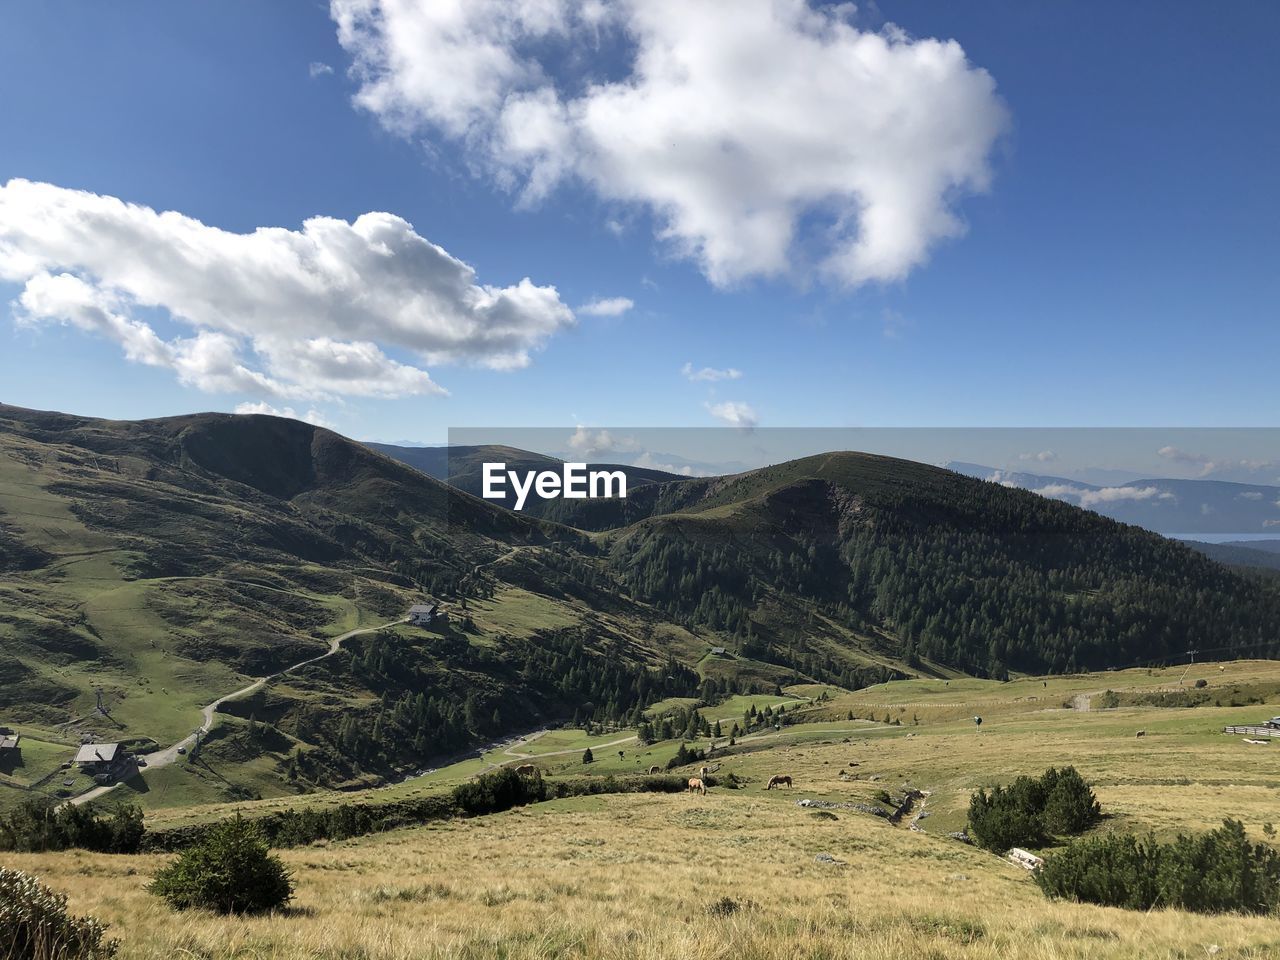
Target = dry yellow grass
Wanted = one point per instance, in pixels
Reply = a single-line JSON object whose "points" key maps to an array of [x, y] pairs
{"points": [[634, 877]]}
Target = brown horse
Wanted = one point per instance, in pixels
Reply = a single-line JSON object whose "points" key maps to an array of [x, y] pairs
{"points": [[697, 786], [527, 770], [779, 780], [655, 769]]}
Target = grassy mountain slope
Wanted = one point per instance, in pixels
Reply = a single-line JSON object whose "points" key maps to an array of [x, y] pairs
{"points": [[168, 562]]}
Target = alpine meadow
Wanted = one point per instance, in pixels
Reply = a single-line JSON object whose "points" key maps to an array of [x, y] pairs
{"points": [[601, 479]]}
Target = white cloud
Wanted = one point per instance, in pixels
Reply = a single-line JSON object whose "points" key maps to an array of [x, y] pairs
{"points": [[606, 307], [317, 69], [735, 413], [312, 416], [650, 462], [593, 443], [733, 131], [317, 307], [1041, 456], [1092, 498], [1249, 495], [709, 374]]}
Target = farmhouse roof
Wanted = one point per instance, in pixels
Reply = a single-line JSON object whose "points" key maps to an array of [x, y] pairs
{"points": [[422, 608], [9, 742], [98, 753]]}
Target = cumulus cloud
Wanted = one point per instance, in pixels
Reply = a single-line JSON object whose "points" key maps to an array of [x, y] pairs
{"points": [[732, 131], [312, 416], [317, 69], [593, 443], [1041, 456], [709, 374], [735, 413], [1250, 495], [1092, 498], [606, 307], [303, 313]]}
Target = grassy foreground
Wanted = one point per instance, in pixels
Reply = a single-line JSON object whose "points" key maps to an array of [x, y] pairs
{"points": [[733, 874], [647, 876]]}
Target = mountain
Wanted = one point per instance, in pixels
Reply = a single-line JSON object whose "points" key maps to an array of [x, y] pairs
{"points": [[163, 563], [1162, 505], [958, 571]]}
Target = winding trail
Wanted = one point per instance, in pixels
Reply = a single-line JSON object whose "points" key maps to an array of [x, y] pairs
{"points": [[167, 756]]}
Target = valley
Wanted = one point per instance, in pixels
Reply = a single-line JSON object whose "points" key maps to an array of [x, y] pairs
{"points": [[842, 620]]}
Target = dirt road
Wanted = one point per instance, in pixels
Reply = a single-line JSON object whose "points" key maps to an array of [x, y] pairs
{"points": [[167, 756]]}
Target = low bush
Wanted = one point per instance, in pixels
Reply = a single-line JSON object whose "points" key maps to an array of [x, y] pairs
{"points": [[500, 790], [229, 871], [35, 924], [1214, 872], [1029, 810], [40, 826]]}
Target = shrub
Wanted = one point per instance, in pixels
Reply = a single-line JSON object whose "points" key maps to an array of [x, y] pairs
{"points": [[229, 871], [500, 790], [1213, 872], [1069, 804], [39, 826], [586, 756], [35, 925], [1027, 811]]}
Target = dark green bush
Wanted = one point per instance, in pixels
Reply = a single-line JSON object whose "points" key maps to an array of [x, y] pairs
{"points": [[229, 871], [1214, 872], [1069, 803], [500, 790], [40, 826], [1029, 810], [35, 925]]}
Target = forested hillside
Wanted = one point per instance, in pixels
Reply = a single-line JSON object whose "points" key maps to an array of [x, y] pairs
{"points": [[963, 572]]}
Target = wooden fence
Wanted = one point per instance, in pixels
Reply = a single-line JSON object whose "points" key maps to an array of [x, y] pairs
{"points": [[1254, 731]]}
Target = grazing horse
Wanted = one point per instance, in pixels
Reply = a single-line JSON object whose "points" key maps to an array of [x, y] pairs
{"points": [[527, 770], [655, 769], [697, 786], [779, 780]]}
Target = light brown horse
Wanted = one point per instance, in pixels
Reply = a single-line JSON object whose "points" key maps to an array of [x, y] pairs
{"points": [[527, 770], [655, 769], [697, 786], [779, 780]]}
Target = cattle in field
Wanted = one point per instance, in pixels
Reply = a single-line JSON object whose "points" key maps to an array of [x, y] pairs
{"points": [[697, 786], [779, 780], [655, 769], [527, 770], [1142, 733]]}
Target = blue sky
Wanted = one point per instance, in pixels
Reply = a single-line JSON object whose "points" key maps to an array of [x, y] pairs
{"points": [[1119, 267]]}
